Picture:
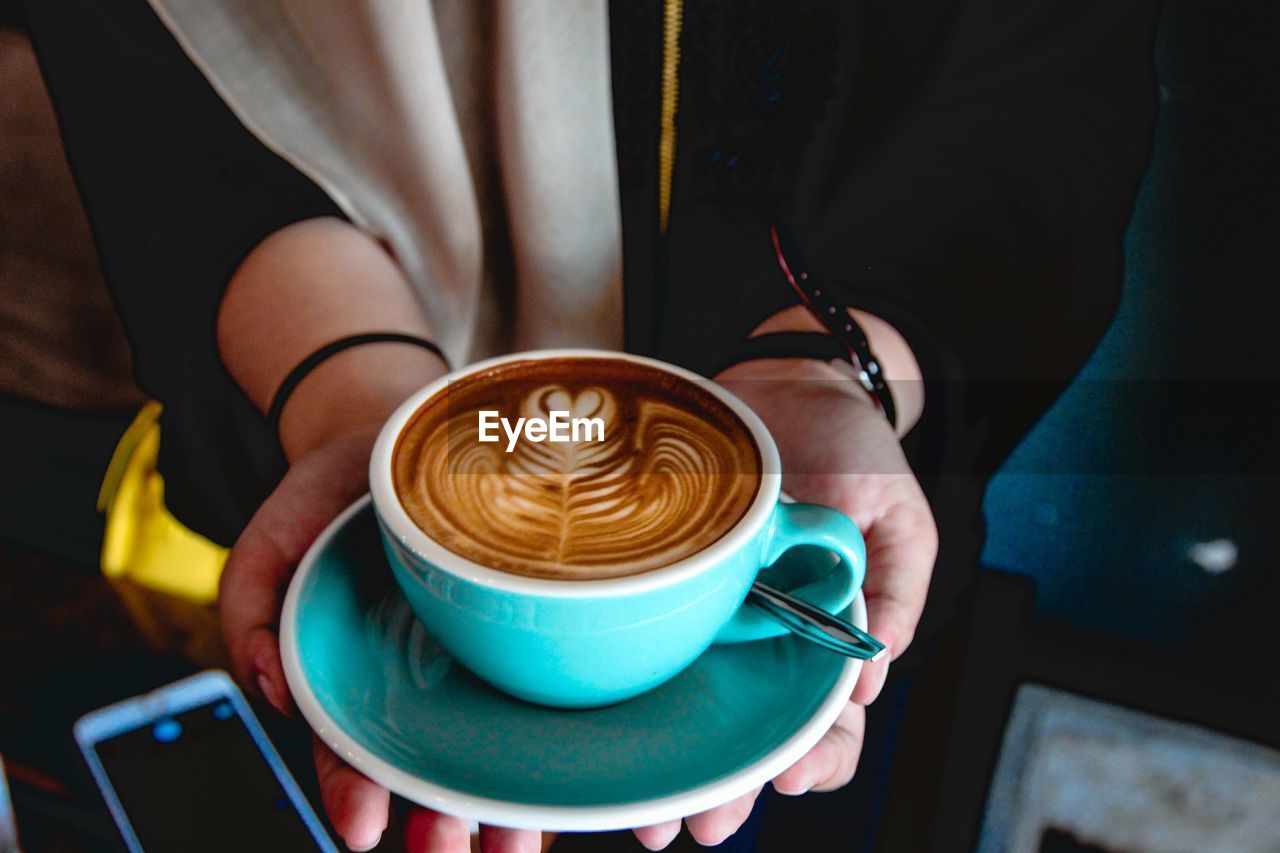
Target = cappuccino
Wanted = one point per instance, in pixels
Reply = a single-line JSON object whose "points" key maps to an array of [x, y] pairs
{"points": [[659, 470]]}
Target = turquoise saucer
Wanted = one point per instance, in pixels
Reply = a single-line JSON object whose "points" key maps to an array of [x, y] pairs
{"points": [[384, 695]]}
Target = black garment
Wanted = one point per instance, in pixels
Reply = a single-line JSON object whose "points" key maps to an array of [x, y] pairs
{"points": [[177, 192], [962, 168]]}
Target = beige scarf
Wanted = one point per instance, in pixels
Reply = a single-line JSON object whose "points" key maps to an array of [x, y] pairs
{"points": [[475, 138]]}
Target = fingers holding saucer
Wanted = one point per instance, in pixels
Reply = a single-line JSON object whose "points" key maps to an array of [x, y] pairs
{"points": [[500, 839], [893, 622], [658, 836], [427, 831], [250, 595], [832, 761], [871, 680], [268, 670], [357, 806], [715, 825]]}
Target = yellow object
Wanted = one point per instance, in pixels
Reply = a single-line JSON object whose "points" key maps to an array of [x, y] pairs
{"points": [[142, 541], [672, 22]]}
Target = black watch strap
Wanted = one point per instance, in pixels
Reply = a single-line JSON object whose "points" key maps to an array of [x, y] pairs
{"points": [[816, 297]]}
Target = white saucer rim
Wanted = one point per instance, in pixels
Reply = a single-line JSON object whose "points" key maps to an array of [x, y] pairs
{"points": [[554, 818]]}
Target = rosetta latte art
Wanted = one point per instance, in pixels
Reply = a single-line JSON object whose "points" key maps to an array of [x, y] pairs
{"points": [[664, 483]]}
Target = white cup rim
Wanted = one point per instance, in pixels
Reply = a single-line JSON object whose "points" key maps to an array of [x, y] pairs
{"points": [[397, 522]]}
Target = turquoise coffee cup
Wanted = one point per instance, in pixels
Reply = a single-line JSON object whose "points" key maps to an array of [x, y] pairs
{"points": [[585, 643]]}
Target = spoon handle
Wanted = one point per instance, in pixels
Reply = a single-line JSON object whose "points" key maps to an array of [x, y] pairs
{"points": [[815, 625]]}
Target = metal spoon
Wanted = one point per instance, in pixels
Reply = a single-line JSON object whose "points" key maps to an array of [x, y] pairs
{"points": [[815, 625]]}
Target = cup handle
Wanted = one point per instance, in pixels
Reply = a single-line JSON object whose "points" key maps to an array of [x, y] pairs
{"points": [[804, 524]]}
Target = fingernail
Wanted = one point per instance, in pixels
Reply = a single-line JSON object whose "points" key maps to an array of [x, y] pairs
{"points": [[357, 848], [269, 692], [884, 676], [659, 844], [794, 790]]}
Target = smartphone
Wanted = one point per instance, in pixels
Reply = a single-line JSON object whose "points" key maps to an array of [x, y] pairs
{"points": [[8, 831], [188, 767]]}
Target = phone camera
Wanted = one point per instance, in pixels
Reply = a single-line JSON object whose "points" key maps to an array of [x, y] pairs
{"points": [[167, 731]]}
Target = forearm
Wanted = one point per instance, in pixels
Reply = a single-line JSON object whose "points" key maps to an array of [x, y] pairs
{"points": [[304, 286]]}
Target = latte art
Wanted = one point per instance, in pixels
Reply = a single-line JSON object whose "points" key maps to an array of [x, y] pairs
{"points": [[675, 470]]}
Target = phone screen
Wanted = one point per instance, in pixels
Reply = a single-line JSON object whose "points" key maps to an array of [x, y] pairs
{"points": [[197, 781]]}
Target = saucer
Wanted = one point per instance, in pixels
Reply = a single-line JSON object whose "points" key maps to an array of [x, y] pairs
{"points": [[386, 697]]}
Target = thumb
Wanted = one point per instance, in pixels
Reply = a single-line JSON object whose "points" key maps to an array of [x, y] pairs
{"points": [[249, 600], [893, 623], [312, 493], [899, 566]]}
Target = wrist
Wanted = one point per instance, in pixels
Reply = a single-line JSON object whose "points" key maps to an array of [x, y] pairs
{"points": [[803, 379], [350, 395], [901, 370]]}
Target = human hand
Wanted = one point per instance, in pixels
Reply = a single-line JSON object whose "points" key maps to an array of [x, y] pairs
{"points": [[864, 475], [318, 486], [837, 449], [305, 285]]}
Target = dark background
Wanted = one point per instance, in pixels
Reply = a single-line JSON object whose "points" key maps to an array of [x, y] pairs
{"points": [[1170, 435]]}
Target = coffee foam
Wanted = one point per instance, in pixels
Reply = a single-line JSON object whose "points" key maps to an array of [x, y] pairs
{"points": [[676, 470]]}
